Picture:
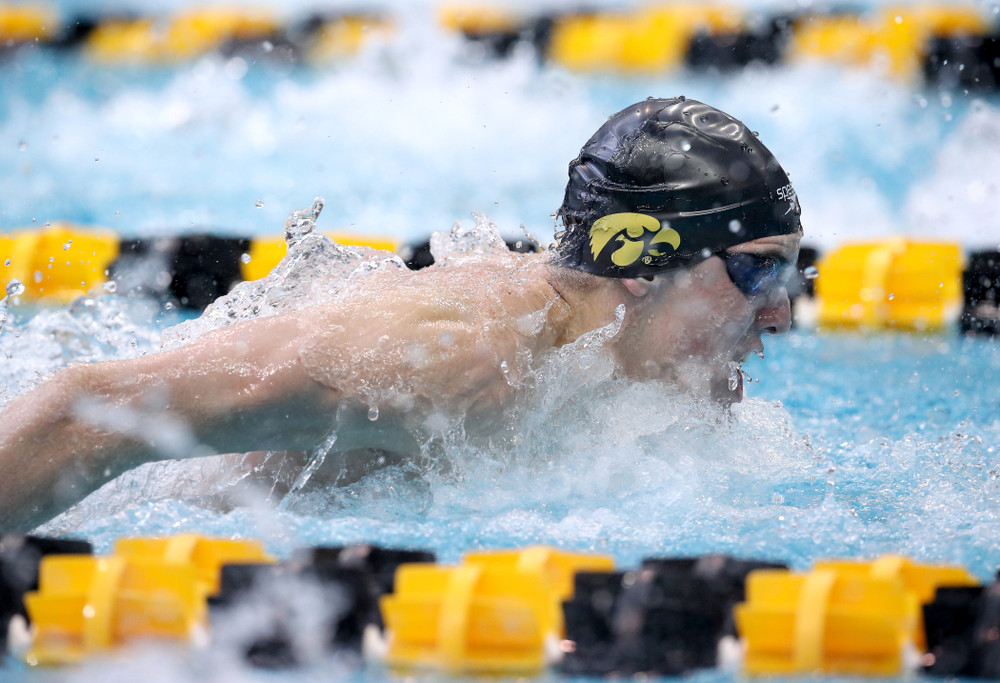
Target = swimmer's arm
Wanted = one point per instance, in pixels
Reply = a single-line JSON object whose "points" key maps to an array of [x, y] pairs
{"points": [[252, 386], [237, 389]]}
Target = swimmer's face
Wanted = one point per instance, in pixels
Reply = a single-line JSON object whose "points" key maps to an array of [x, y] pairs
{"points": [[694, 327]]}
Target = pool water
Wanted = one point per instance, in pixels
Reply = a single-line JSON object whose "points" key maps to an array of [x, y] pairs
{"points": [[849, 444]]}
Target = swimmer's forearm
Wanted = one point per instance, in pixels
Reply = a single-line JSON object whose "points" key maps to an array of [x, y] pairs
{"points": [[50, 458]]}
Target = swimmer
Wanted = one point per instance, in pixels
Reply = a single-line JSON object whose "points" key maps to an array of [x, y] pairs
{"points": [[675, 219]]}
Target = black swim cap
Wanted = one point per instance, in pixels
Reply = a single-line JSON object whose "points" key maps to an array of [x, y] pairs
{"points": [[662, 182]]}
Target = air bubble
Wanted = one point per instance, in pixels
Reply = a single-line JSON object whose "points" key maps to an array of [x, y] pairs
{"points": [[373, 413], [245, 258], [22, 145], [259, 204], [811, 273], [735, 226], [111, 286], [7, 262], [685, 146], [67, 245]]}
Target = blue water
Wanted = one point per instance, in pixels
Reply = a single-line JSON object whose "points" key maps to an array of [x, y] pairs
{"points": [[849, 445]]}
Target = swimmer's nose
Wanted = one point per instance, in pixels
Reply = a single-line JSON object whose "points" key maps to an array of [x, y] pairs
{"points": [[774, 316]]}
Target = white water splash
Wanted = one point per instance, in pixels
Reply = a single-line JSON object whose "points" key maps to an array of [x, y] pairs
{"points": [[314, 269]]}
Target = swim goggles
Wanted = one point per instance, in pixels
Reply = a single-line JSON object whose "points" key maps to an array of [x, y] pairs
{"points": [[755, 275]]}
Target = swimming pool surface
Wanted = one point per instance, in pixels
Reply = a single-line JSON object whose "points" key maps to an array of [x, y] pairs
{"points": [[849, 445]]}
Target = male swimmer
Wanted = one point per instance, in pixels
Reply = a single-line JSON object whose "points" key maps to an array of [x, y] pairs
{"points": [[675, 214]]}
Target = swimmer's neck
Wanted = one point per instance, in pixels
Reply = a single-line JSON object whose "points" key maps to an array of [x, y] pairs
{"points": [[583, 302]]}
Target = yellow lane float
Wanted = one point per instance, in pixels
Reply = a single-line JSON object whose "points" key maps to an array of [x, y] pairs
{"points": [[495, 613], [894, 38], [63, 261], [650, 39], [26, 24], [86, 605], [842, 617], [150, 588], [59, 263], [205, 555], [895, 283], [344, 36], [188, 34]]}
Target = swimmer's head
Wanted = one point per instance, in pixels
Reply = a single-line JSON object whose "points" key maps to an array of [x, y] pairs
{"points": [[664, 184]]}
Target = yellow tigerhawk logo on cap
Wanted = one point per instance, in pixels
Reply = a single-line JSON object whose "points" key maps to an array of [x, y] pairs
{"points": [[631, 230]]}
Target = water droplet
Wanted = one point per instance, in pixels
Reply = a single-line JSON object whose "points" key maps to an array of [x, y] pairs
{"points": [[735, 226], [22, 145], [15, 288], [373, 413], [69, 243], [734, 375], [259, 204], [245, 258], [811, 273], [505, 371]]}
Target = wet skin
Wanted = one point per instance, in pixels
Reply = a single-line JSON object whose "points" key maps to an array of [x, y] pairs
{"points": [[429, 349]]}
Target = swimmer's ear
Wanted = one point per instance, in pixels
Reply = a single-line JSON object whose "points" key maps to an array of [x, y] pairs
{"points": [[639, 286]]}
